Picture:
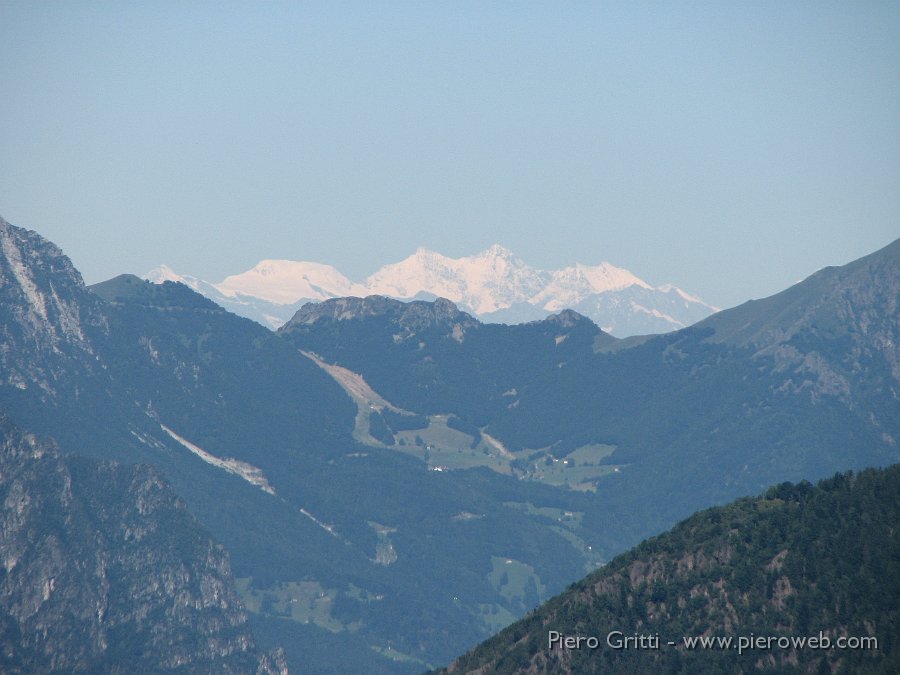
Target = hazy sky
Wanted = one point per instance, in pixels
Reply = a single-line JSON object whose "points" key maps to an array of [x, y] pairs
{"points": [[729, 148]]}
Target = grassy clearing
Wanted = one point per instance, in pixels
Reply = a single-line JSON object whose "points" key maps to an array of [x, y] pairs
{"points": [[565, 518], [594, 559], [385, 554], [365, 398], [444, 448], [579, 470], [300, 601], [400, 657]]}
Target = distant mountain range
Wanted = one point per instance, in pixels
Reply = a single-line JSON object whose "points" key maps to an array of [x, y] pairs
{"points": [[494, 285]]}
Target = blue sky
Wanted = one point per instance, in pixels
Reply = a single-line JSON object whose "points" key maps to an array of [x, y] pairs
{"points": [[729, 148]]}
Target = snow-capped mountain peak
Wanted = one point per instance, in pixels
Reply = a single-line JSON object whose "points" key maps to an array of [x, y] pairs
{"points": [[425, 270], [483, 283], [571, 285], [605, 277], [287, 281], [494, 283], [497, 251]]}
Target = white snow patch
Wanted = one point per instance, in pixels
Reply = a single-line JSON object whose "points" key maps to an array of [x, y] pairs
{"points": [[248, 472], [668, 288], [659, 315], [485, 282], [164, 273]]}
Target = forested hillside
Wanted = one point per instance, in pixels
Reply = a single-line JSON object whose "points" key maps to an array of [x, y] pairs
{"points": [[800, 561]]}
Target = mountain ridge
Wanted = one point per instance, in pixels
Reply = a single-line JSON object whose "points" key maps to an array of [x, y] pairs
{"points": [[495, 285]]}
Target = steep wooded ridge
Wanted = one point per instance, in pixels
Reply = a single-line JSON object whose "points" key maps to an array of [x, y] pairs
{"points": [[799, 561], [104, 570]]}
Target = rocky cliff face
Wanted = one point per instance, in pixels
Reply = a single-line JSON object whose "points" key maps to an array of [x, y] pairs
{"points": [[104, 570], [46, 309]]}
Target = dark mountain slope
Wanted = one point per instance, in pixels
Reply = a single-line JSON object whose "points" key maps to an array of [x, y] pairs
{"points": [[796, 386], [243, 392], [196, 366], [104, 570], [800, 561], [694, 424], [835, 334], [829, 300], [432, 358], [701, 416]]}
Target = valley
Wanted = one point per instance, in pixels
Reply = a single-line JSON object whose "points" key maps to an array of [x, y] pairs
{"points": [[441, 442]]}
